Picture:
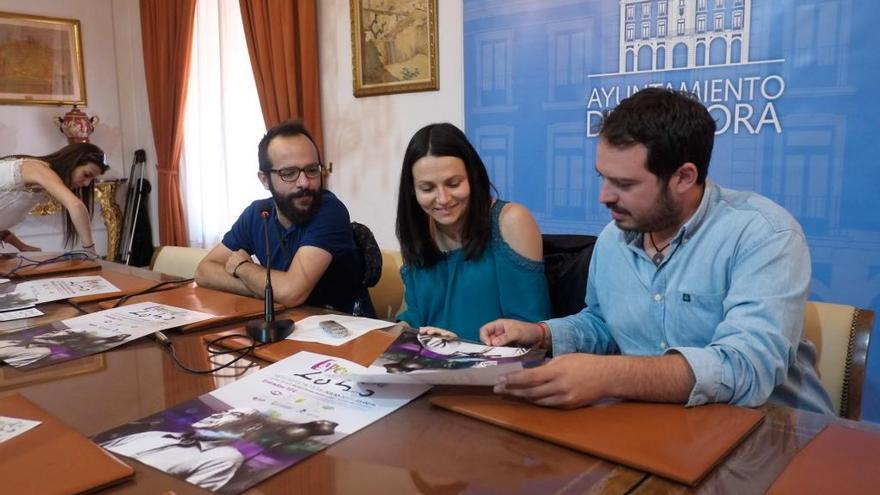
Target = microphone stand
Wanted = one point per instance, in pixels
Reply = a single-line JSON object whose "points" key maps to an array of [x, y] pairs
{"points": [[268, 329]]}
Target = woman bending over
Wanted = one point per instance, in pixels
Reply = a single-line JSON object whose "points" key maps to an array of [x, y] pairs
{"points": [[65, 175]]}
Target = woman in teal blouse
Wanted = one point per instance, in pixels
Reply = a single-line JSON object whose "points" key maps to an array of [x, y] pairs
{"points": [[468, 258]]}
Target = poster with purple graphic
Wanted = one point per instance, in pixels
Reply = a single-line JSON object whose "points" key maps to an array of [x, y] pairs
{"points": [[423, 358], [21, 295], [237, 436], [90, 334]]}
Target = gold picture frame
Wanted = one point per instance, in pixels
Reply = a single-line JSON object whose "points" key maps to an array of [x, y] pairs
{"points": [[394, 46], [41, 61]]}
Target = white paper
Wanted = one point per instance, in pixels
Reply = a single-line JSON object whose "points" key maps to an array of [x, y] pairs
{"points": [[3, 280], [12, 427], [138, 319], [31, 292], [92, 333], [309, 330], [258, 425], [20, 314], [309, 386]]}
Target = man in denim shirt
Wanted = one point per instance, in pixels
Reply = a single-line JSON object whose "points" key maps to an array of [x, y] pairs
{"points": [[696, 293]]}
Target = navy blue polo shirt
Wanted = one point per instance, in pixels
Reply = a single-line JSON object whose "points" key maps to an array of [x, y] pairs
{"points": [[330, 229]]}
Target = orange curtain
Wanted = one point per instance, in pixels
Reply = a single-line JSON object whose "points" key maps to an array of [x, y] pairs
{"points": [[166, 31], [282, 41]]}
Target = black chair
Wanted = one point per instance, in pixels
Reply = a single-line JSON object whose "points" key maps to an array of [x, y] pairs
{"points": [[371, 256], [567, 265]]}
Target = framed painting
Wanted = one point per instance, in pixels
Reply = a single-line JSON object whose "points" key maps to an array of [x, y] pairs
{"points": [[40, 61], [394, 46]]}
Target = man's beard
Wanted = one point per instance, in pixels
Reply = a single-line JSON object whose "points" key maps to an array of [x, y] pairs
{"points": [[286, 204], [664, 215]]}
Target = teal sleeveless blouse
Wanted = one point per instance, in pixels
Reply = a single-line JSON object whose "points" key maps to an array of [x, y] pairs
{"points": [[462, 295]]}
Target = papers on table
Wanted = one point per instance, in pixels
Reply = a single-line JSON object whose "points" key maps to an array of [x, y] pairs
{"points": [[90, 334], [310, 329], [20, 314], [259, 425], [12, 427], [23, 295], [422, 358]]}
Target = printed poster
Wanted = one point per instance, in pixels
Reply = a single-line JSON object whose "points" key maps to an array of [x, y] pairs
{"points": [[13, 427], [423, 358], [20, 314], [23, 295], [239, 435], [90, 334]]}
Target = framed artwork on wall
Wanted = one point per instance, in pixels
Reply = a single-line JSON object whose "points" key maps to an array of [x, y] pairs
{"points": [[41, 61], [394, 46]]}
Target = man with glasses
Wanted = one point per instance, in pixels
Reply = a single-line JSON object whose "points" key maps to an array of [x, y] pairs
{"points": [[315, 259]]}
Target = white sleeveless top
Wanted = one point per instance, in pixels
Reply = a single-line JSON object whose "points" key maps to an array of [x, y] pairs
{"points": [[16, 199]]}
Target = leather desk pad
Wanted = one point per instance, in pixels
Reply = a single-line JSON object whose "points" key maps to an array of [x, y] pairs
{"points": [[669, 440]]}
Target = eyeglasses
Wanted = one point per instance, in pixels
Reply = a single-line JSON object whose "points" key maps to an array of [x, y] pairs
{"points": [[291, 174]]}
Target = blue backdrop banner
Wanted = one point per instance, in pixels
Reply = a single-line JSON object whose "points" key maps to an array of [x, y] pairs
{"points": [[790, 83]]}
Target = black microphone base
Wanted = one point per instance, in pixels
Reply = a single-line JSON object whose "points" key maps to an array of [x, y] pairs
{"points": [[269, 331]]}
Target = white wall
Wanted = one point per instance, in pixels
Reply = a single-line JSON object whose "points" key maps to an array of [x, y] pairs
{"points": [[365, 137], [29, 128]]}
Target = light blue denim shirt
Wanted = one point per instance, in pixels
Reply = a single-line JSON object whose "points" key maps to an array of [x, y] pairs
{"points": [[729, 297]]}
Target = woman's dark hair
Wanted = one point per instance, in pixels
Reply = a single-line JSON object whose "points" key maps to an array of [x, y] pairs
{"points": [[63, 162], [413, 226]]}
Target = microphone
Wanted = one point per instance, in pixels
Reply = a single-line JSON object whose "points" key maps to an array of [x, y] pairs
{"points": [[268, 329]]}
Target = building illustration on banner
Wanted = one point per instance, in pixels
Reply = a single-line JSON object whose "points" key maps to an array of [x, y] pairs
{"points": [[656, 37], [681, 34]]}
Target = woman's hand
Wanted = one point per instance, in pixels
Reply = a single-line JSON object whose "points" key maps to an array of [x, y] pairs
{"points": [[90, 251], [438, 332], [511, 332]]}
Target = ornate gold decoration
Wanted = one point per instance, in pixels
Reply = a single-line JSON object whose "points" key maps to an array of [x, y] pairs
{"points": [[105, 195], [50, 207]]}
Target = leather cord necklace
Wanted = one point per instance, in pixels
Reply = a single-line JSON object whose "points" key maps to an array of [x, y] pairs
{"points": [[658, 255]]}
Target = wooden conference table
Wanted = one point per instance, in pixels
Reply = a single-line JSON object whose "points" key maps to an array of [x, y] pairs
{"points": [[418, 449]]}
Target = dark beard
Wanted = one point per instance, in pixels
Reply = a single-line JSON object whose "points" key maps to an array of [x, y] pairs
{"points": [[665, 215], [287, 207]]}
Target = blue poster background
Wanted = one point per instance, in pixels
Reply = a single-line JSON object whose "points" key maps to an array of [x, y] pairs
{"points": [[791, 84]]}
